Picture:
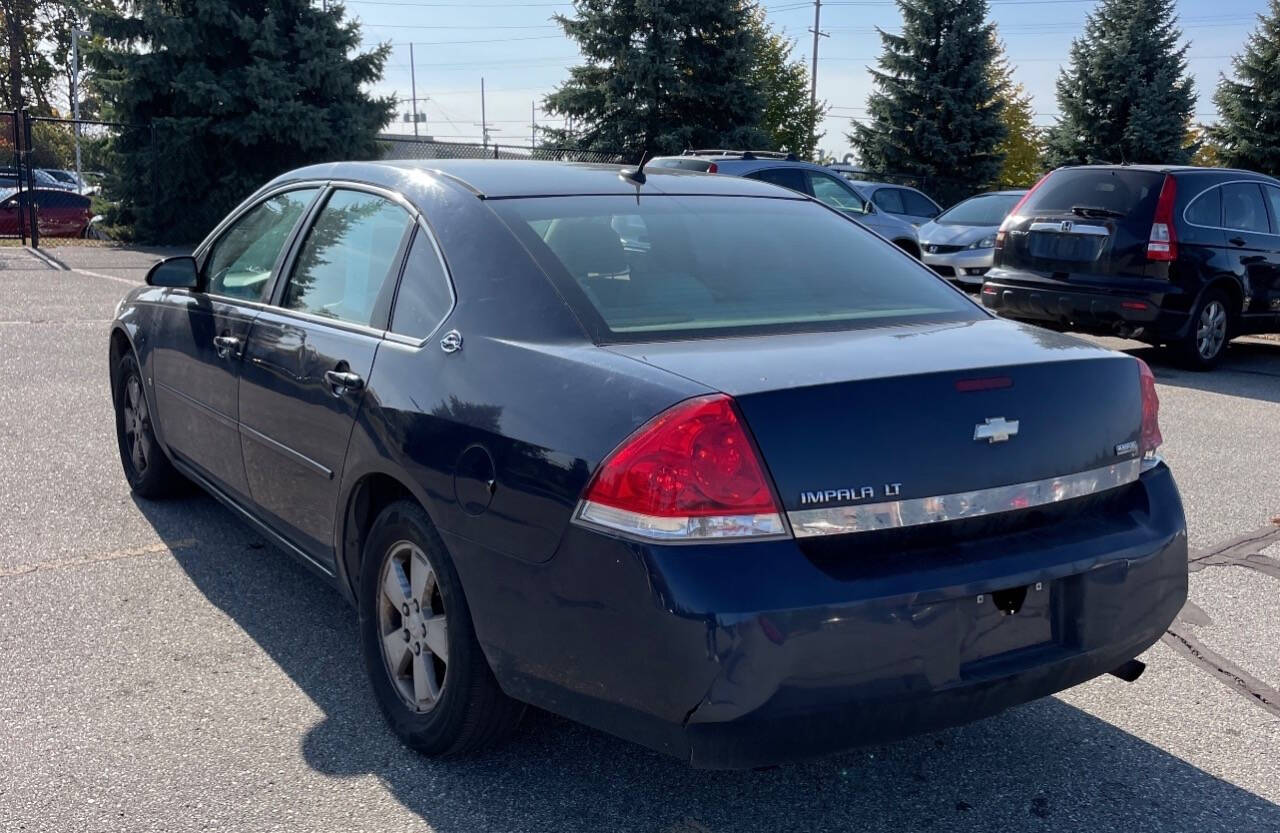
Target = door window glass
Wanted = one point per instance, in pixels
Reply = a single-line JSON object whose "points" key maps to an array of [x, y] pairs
{"points": [[344, 268], [829, 190], [424, 298], [240, 263], [917, 205], [1242, 207], [890, 199], [1273, 200], [786, 177], [1206, 209]]}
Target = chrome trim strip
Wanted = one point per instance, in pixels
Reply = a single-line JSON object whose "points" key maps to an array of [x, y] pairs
{"points": [[1196, 198], [1056, 228], [870, 517], [285, 451], [219, 416]]}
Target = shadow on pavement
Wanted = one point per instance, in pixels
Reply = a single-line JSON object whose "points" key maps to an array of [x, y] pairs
{"points": [[1250, 369], [1044, 766]]}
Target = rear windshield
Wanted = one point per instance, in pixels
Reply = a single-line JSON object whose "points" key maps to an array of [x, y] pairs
{"points": [[986, 210], [1122, 193], [691, 164], [662, 267]]}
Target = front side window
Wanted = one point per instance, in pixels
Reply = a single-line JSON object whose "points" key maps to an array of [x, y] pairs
{"points": [[890, 199], [829, 190], [241, 262], [423, 299], [1242, 207], [716, 265], [344, 268]]}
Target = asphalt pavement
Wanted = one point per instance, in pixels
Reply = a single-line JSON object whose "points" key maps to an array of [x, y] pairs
{"points": [[164, 669]]}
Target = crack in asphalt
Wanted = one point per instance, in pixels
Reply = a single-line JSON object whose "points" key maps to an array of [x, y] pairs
{"points": [[1244, 551], [115, 555]]}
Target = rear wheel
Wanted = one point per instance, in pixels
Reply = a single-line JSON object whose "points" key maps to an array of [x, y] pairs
{"points": [[426, 667], [1210, 330], [146, 466]]}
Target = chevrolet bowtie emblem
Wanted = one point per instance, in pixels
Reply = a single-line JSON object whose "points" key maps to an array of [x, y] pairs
{"points": [[995, 429]]}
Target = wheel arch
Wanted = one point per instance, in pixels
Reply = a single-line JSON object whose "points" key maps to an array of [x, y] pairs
{"points": [[369, 494], [1230, 286], [908, 245]]}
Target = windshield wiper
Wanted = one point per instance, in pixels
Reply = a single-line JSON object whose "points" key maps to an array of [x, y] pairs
{"points": [[1095, 211]]}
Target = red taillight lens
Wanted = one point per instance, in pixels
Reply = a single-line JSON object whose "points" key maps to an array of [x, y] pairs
{"points": [[1163, 243], [1010, 218], [689, 473], [1150, 438], [713, 168]]}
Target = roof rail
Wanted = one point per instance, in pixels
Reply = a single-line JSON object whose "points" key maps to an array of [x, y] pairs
{"points": [[743, 154]]}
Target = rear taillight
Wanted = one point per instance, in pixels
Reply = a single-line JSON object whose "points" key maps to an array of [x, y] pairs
{"points": [[688, 474], [1163, 242], [1149, 440], [713, 168], [1012, 216]]}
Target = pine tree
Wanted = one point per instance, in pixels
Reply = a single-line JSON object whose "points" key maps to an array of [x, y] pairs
{"points": [[660, 77], [789, 120], [1021, 149], [227, 94], [1126, 96], [1248, 133]]}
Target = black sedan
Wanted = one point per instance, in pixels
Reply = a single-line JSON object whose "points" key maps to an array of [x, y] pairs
{"points": [[692, 459]]}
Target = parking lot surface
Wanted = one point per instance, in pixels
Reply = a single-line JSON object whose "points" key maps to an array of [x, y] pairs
{"points": [[163, 668]]}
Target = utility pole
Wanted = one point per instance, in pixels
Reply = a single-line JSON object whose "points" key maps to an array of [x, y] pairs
{"points": [[533, 124], [75, 98], [484, 122], [817, 33], [413, 91]]}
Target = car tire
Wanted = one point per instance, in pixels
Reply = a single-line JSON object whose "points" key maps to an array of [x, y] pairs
{"points": [[1209, 332], [146, 465], [909, 247], [439, 705]]}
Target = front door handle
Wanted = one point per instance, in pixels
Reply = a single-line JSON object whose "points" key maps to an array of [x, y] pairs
{"points": [[342, 382], [1237, 241], [226, 346]]}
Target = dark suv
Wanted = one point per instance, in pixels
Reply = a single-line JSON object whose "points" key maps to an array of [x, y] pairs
{"points": [[1181, 256]]}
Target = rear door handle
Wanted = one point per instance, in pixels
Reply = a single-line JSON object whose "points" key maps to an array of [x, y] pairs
{"points": [[342, 382], [1237, 241], [226, 346]]}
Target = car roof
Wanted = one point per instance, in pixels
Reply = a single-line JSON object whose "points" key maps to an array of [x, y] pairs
{"points": [[504, 178], [867, 183], [1169, 169]]}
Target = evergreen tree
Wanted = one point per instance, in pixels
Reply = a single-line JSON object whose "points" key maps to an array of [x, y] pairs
{"points": [[1248, 133], [935, 110], [660, 77], [1126, 96], [789, 120], [225, 95], [1021, 149]]}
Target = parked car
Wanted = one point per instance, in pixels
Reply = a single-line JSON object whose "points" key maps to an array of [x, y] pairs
{"points": [[59, 213], [762, 488], [1181, 256], [909, 204], [70, 181], [9, 179], [960, 242], [786, 170]]}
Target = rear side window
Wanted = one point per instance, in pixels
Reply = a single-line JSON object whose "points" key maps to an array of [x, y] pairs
{"points": [[1126, 194], [1242, 207], [702, 266], [792, 178], [344, 269], [890, 199], [424, 298], [54, 200], [1206, 209], [917, 205], [1273, 200]]}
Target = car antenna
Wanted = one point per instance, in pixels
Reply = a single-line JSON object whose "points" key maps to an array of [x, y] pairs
{"points": [[636, 175]]}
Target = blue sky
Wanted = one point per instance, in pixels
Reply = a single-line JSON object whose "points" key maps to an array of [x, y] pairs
{"points": [[523, 55]]}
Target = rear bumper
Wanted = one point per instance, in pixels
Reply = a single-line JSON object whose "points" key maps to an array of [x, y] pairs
{"points": [[966, 267], [1124, 312], [747, 655]]}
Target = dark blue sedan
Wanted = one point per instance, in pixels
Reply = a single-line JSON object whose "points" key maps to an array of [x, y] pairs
{"points": [[692, 459]]}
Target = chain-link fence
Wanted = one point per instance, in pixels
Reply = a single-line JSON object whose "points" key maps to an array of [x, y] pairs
{"points": [[14, 216], [409, 147]]}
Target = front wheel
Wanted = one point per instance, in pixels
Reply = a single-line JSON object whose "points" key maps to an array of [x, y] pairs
{"points": [[146, 466], [428, 672], [1206, 342]]}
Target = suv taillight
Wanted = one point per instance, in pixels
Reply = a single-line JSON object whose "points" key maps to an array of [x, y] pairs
{"points": [[713, 168], [1010, 218], [1163, 242], [690, 473], [1149, 440]]}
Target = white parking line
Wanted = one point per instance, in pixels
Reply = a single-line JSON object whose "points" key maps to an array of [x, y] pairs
{"points": [[89, 274]]}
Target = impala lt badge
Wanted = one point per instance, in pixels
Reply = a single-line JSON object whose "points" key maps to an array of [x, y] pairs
{"points": [[995, 429], [848, 495]]}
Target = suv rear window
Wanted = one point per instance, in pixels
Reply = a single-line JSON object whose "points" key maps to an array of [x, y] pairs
{"points": [[666, 267], [684, 164], [1129, 194]]}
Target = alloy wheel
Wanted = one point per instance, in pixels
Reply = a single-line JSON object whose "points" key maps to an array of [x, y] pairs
{"points": [[411, 623], [1212, 329], [137, 425]]}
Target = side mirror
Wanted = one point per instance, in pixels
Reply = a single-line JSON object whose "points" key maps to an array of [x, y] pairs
{"points": [[177, 272]]}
